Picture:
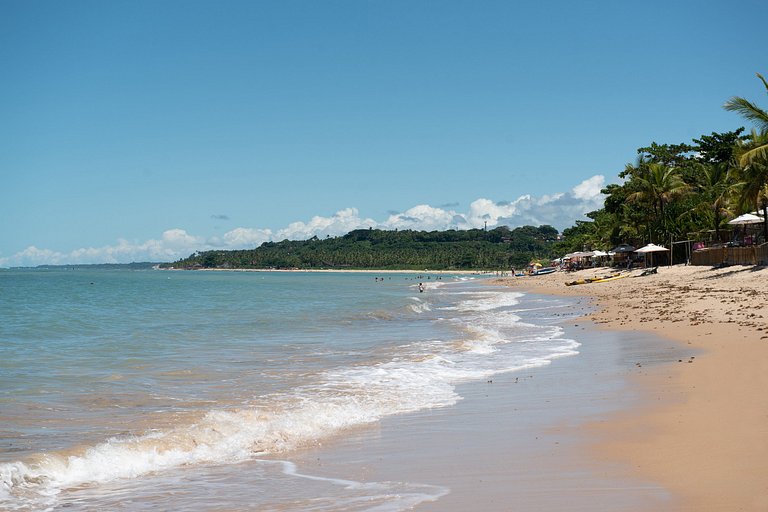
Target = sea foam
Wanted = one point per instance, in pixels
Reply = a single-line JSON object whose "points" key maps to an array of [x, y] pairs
{"points": [[415, 376]]}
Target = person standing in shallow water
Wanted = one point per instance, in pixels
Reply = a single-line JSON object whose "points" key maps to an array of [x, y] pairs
{"points": [[421, 287]]}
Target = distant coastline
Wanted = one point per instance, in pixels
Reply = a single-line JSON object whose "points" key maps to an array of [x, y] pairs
{"points": [[146, 265], [141, 265], [364, 249], [339, 270]]}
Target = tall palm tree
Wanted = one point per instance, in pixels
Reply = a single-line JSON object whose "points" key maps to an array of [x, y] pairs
{"points": [[757, 115], [716, 189], [753, 179], [657, 185]]}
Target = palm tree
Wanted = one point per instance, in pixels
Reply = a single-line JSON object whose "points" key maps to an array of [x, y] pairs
{"points": [[757, 115], [754, 181], [716, 189], [657, 185]]}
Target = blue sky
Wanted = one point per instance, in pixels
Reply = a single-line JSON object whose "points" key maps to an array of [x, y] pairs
{"points": [[145, 130]]}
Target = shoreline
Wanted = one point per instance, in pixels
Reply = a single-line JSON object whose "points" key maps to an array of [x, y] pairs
{"points": [[487, 273], [518, 441], [701, 429]]}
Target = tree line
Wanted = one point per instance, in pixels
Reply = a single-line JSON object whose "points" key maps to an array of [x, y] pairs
{"points": [[684, 190], [499, 248]]}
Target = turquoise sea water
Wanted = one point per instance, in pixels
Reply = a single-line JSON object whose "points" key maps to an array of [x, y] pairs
{"points": [[116, 382]]}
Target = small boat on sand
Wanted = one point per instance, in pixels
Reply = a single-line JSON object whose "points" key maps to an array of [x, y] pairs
{"points": [[596, 279]]}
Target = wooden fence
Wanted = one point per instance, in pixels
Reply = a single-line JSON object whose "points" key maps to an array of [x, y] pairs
{"points": [[711, 256]]}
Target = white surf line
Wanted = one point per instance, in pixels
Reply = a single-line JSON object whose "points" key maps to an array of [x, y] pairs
{"points": [[403, 501]]}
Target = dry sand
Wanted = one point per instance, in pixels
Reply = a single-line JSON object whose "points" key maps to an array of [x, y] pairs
{"points": [[702, 430]]}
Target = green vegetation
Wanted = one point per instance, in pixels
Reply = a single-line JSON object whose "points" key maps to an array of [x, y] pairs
{"points": [[671, 192], [500, 248], [683, 191]]}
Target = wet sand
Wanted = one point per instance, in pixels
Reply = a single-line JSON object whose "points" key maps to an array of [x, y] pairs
{"points": [[524, 441]]}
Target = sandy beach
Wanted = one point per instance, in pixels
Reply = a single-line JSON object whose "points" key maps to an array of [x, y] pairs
{"points": [[701, 428]]}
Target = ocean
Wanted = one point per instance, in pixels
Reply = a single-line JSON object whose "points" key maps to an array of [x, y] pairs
{"points": [[180, 390]]}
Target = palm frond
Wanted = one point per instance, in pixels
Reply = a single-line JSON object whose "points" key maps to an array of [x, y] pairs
{"points": [[762, 80], [760, 152], [748, 110]]}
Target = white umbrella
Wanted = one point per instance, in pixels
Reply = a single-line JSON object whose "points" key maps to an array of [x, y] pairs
{"points": [[746, 218], [651, 248]]}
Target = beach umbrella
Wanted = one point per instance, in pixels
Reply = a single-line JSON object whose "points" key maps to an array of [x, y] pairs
{"points": [[746, 218], [600, 255], [620, 251], [623, 248], [650, 249]]}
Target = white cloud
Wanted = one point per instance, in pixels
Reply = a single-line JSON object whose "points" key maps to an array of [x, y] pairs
{"points": [[33, 256], [426, 218], [240, 238], [589, 189], [340, 223], [482, 211], [173, 244], [179, 238], [559, 210]]}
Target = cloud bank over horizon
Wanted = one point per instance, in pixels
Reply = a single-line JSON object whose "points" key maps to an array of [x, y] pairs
{"points": [[560, 210]]}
